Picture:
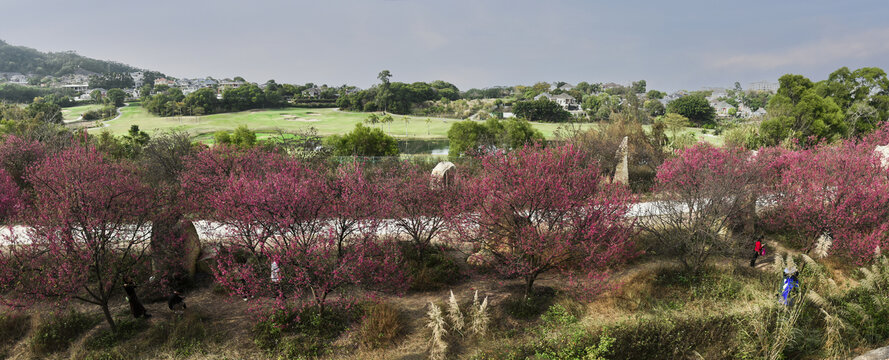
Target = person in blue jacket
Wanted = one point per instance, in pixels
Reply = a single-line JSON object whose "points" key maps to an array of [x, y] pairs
{"points": [[790, 282]]}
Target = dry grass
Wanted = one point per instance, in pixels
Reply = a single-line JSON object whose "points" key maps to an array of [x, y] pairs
{"points": [[382, 326]]}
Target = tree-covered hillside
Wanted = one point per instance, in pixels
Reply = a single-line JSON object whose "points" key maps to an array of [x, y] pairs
{"points": [[25, 60]]}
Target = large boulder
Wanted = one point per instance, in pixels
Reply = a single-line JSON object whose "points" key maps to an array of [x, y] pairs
{"points": [[443, 174], [878, 354], [883, 153]]}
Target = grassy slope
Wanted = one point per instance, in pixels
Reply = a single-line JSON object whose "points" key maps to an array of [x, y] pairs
{"points": [[72, 113], [326, 121]]}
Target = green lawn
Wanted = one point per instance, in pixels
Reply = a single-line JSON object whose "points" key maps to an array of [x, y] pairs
{"points": [[326, 121], [74, 112]]}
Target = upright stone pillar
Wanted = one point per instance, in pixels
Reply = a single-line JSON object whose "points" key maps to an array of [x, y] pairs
{"points": [[621, 172]]}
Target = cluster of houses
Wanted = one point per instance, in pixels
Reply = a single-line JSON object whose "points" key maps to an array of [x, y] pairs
{"points": [[716, 99], [189, 86], [15, 78], [724, 109], [78, 82]]}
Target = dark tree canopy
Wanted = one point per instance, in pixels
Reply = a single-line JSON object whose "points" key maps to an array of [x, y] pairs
{"points": [[695, 107], [467, 136], [363, 141], [398, 97], [541, 110]]}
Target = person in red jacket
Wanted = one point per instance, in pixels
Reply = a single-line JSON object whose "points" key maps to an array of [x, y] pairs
{"points": [[757, 251]]}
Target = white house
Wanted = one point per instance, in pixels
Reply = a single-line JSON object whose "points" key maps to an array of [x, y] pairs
{"points": [[566, 101], [312, 92], [722, 108]]}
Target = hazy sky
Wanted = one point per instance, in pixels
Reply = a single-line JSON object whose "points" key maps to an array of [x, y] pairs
{"points": [[672, 44]]}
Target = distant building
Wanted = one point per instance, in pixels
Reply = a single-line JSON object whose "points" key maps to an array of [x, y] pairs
{"points": [[566, 101], [763, 86], [138, 78], [164, 81], [722, 108], [566, 87], [76, 87], [611, 85], [312, 92], [19, 79]]}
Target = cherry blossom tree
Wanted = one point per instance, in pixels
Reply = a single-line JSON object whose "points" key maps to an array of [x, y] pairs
{"points": [[301, 236], [10, 199], [699, 192], [420, 209], [357, 202], [208, 172], [16, 154], [90, 222], [839, 189], [540, 209]]}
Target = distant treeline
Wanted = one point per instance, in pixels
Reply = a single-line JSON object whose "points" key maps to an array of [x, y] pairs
{"points": [[25, 60], [163, 100], [398, 97], [25, 94]]}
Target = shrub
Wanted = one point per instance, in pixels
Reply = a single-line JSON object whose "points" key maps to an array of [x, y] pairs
{"points": [[431, 271], [363, 141], [525, 308], [57, 332], [302, 331], [381, 326], [668, 338]]}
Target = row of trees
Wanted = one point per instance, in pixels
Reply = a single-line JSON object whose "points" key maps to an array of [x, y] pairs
{"points": [[528, 211], [522, 213], [835, 192], [21, 94], [397, 97], [168, 101]]}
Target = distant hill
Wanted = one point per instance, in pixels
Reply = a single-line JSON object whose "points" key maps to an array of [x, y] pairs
{"points": [[24, 60]]}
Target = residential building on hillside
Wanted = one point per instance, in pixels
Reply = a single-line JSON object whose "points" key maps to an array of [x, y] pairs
{"points": [[77, 87], [763, 86], [722, 108], [312, 92], [566, 101], [164, 81]]}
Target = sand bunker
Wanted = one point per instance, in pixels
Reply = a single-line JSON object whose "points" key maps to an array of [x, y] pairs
{"points": [[297, 118]]}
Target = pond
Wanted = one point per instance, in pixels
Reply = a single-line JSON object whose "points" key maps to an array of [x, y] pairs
{"points": [[423, 146]]}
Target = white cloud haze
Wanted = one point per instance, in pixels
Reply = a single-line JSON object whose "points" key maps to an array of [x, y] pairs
{"points": [[472, 43]]}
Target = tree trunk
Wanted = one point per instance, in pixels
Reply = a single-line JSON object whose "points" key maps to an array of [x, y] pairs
{"points": [[529, 286], [109, 318]]}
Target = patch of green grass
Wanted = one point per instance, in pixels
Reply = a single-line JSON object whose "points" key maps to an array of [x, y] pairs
{"points": [[431, 270], [74, 112], [56, 333], [519, 307], [13, 327], [327, 121], [304, 332], [126, 329]]}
